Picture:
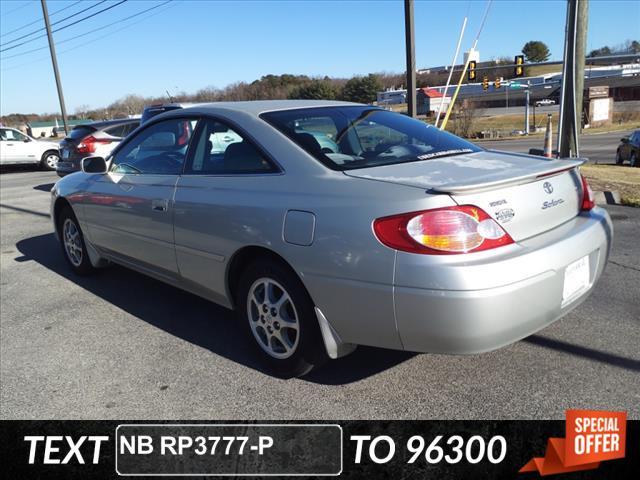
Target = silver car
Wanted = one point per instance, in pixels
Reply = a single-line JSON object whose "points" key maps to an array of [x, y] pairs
{"points": [[398, 236]]}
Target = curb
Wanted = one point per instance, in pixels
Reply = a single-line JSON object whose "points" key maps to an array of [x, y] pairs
{"points": [[607, 197]]}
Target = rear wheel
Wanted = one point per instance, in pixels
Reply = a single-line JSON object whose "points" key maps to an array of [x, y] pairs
{"points": [[618, 158], [49, 160], [72, 241], [635, 162], [279, 318]]}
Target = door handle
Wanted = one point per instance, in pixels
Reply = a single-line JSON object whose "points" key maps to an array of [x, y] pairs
{"points": [[159, 205]]}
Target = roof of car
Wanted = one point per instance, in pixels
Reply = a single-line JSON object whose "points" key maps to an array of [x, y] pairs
{"points": [[260, 106], [108, 123]]}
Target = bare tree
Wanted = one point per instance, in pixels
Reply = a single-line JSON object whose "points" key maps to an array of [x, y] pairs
{"points": [[131, 104], [464, 115], [81, 111]]}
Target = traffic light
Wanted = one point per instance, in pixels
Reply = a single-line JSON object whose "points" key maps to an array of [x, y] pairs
{"points": [[485, 83], [496, 83], [518, 71], [472, 70]]}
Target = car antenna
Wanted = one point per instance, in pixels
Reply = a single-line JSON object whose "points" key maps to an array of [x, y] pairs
{"points": [[169, 95]]}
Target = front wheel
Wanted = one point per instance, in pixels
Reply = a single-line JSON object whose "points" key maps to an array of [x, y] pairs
{"points": [[72, 241], [49, 160], [279, 318]]}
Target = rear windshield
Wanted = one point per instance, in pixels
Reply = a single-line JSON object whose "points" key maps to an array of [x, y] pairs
{"points": [[80, 132], [346, 138], [150, 112]]}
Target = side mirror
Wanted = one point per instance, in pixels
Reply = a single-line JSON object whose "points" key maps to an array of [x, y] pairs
{"points": [[624, 139], [94, 165], [27, 140]]}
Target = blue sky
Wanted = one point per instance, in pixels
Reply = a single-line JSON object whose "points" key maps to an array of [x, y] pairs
{"points": [[188, 45]]}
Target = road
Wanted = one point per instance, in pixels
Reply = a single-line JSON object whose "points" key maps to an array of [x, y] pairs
{"points": [[122, 346], [629, 106], [597, 147]]}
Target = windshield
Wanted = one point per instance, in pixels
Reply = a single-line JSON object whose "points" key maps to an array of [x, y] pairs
{"points": [[346, 138]]}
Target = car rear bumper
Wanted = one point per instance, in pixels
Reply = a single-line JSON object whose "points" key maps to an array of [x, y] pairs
{"points": [[488, 303], [65, 167]]}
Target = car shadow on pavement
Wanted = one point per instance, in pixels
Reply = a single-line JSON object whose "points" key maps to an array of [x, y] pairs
{"points": [[192, 318], [580, 351], [45, 187]]}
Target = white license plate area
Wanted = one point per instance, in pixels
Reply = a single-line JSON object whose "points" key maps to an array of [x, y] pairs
{"points": [[576, 279]]}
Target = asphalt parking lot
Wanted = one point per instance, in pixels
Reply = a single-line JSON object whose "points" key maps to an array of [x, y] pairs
{"points": [[122, 346]]}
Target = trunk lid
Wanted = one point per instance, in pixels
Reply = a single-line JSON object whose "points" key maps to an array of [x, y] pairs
{"points": [[526, 195]]}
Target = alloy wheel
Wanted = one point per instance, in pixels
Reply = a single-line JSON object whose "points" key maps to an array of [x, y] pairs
{"points": [[51, 160], [273, 318], [72, 242]]}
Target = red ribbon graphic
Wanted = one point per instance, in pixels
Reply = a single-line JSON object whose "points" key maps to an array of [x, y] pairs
{"points": [[592, 436]]}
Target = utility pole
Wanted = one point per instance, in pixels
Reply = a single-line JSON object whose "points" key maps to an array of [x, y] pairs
{"points": [[581, 45], [52, 48], [526, 108], [411, 57], [572, 78]]}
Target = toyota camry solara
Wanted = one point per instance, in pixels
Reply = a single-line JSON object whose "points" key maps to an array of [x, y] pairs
{"points": [[325, 225]]}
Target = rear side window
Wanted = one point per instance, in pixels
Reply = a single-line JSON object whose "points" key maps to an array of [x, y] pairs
{"points": [[80, 132], [118, 131], [220, 150], [345, 138]]}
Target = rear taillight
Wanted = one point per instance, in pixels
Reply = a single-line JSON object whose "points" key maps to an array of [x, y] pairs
{"points": [[88, 145], [588, 200], [450, 230]]}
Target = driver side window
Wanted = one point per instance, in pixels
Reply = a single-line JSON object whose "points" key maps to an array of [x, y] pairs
{"points": [[157, 150], [13, 136]]}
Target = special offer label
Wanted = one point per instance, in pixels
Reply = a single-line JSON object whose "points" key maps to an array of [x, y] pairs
{"points": [[592, 436]]}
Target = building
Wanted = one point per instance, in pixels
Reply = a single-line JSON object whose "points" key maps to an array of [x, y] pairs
{"points": [[46, 128], [392, 96], [472, 55], [428, 101]]}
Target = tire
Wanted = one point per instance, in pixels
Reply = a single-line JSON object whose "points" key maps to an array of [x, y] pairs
{"points": [[618, 158], [634, 160], [49, 160], [74, 249], [285, 338]]}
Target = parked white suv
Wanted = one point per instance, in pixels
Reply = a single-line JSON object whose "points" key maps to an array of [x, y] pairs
{"points": [[18, 148]]}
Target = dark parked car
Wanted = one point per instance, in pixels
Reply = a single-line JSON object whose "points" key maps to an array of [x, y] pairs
{"points": [[91, 139], [629, 149], [152, 110]]}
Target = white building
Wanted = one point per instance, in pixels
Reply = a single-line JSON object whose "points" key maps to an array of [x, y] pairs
{"points": [[472, 55]]}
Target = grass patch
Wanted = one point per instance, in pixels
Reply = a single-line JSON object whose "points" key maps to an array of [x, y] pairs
{"points": [[535, 70], [623, 178], [508, 123]]}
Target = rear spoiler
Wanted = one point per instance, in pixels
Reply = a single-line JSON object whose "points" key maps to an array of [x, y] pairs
{"points": [[475, 187]]}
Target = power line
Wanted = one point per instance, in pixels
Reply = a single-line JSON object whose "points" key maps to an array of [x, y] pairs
{"points": [[17, 8], [42, 59], [66, 26], [42, 28], [484, 19], [90, 31], [37, 20]]}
